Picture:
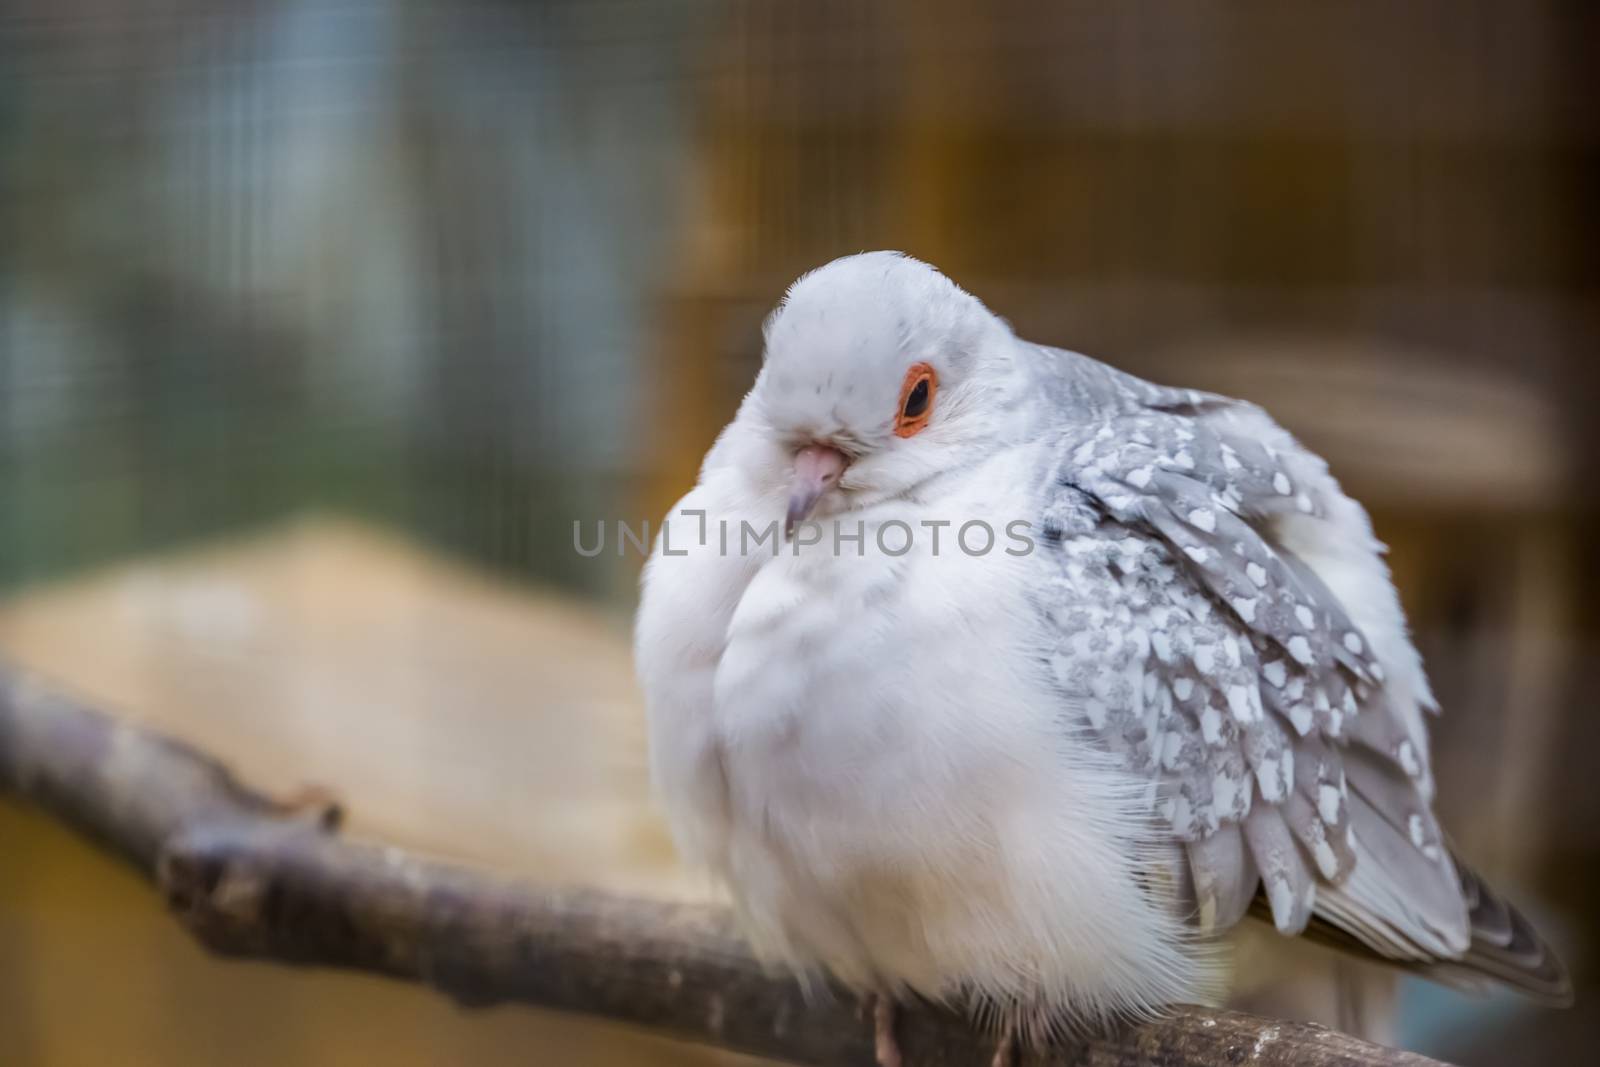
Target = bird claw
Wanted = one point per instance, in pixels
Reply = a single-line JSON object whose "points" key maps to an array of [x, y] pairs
{"points": [[886, 1047]]}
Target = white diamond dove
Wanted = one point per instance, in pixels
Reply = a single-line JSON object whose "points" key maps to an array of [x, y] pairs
{"points": [[1038, 776]]}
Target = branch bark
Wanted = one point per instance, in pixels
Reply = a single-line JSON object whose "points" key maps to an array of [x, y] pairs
{"points": [[250, 880]]}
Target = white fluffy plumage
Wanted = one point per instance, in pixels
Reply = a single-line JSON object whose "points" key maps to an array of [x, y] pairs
{"points": [[1042, 775]]}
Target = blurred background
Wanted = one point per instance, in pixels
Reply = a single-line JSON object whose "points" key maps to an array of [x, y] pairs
{"points": [[321, 321]]}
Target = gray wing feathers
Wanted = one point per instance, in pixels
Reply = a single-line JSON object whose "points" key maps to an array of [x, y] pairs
{"points": [[1420, 898], [1219, 661], [1319, 810], [1224, 876], [1287, 879], [1393, 797]]}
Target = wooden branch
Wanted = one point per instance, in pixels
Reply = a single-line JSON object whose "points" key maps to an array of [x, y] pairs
{"points": [[250, 880]]}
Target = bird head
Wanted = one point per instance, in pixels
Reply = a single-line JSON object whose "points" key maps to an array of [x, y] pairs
{"points": [[879, 373]]}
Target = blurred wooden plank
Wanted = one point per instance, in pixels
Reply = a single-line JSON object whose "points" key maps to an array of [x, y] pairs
{"points": [[452, 713]]}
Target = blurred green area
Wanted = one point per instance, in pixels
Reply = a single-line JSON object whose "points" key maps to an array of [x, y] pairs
{"points": [[393, 258]]}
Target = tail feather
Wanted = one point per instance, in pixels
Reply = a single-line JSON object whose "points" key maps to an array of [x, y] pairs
{"points": [[1505, 947]]}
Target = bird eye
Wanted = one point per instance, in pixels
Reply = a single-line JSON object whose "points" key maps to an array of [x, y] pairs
{"points": [[916, 400]]}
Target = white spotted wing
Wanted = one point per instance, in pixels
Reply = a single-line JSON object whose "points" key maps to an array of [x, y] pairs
{"points": [[1216, 661]]}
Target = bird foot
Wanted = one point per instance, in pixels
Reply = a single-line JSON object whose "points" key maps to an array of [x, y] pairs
{"points": [[884, 1046], [1006, 1052]]}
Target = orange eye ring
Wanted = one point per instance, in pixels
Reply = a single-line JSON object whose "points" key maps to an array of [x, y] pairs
{"points": [[916, 400]]}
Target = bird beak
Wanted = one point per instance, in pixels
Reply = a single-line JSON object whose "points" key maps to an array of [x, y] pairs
{"points": [[816, 470]]}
